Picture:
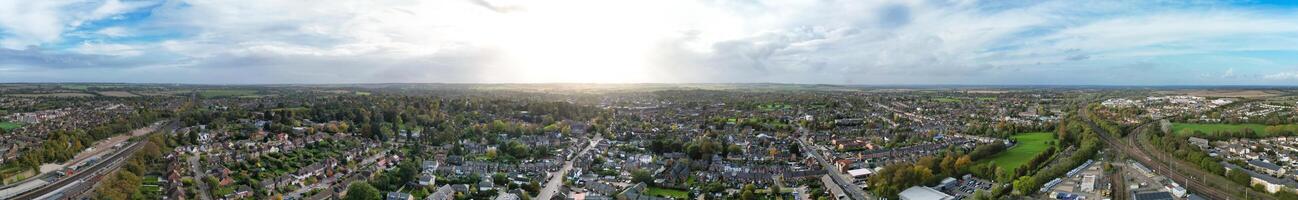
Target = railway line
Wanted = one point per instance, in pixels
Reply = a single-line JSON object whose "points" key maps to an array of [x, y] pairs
{"points": [[1197, 186], [60, 189]]}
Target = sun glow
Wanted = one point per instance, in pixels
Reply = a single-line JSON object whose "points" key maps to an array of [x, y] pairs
{"points": [[579, 41]]}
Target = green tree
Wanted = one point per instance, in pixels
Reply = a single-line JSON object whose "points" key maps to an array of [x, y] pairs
{"points": [[642, 176], [362, 191], [747, 192], [1025, 185]]}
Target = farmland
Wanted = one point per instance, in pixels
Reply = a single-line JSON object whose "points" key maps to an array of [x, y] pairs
{"points": [[226, 93], [117, 94], [1029, 145], [65, 94]]}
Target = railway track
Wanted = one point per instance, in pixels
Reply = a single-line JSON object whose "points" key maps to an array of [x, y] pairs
{"points": [[93, 173], [1198, 186]]}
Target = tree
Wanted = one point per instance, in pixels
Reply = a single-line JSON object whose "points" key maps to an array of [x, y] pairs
{"points": [[362, 191], [747, 193], [1025, 185], [775, 190], [642, 176]]}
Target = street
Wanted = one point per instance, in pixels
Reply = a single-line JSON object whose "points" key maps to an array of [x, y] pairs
{"points": [[556, 180], [199, 173]]}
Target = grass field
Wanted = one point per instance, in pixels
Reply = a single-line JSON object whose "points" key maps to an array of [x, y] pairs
{"points": [[64, 94], [947, 100], [1030, 144], [666, 192], [1188, 129], [87, 86], [8, 126], [117, 94], [293, 109], [226, 93]]}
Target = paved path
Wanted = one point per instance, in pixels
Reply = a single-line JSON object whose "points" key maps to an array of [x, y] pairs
{"points": [[556, 180]]}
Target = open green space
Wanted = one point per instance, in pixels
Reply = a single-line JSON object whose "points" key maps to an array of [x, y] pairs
{"points": [[666, 192], [226, 93], [87, 86], [773, 107], [1030, 144], [9, 126], [292, 109], [947, 100], [1190, 129]]}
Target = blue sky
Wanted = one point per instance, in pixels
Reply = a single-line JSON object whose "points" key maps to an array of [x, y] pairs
{"points": [[670, 41]]}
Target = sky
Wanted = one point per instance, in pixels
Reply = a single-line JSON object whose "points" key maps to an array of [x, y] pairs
{"points": [[1029, 42]]}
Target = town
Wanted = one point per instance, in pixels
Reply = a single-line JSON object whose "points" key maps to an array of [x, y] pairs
{"points": [[439, 142]]}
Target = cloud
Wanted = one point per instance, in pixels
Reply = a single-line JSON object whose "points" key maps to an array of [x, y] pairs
{"points": [[27, 23], [800, 41], [1282, 76]]}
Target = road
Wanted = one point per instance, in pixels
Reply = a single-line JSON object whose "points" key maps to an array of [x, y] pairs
{"points": [[1162, 168], [854, 191], [556, 180], [199, 173]]}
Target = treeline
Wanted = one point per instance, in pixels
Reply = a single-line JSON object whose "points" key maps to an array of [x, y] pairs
{"points": [[702, 147], [1108, 126], [1274, 118], [1004, 130], [928, 170], [384, 117], [1268, 131], [1030, 184], [1071, 133], [125, 183], [62, 145], [1180, 147]]}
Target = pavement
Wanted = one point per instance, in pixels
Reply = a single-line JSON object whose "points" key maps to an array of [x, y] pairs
{"points": [[556, 180]]}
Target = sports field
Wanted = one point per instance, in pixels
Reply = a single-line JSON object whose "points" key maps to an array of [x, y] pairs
{"points": [[1188, 129], [666, 192], [1030, 144], [7, 126]]}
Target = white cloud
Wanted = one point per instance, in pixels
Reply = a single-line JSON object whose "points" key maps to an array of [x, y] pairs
{"points": [[27, 23], [1282, 76], [113, 32], [108, 49], [807, 41]]}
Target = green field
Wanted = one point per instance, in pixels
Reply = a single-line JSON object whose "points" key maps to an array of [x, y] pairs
{"points": [[226, 93], [87, 86], [1188, 129], [1030, 144], [666, 192], [8, 126], [773, 107], [947, 100], [292, 109]]}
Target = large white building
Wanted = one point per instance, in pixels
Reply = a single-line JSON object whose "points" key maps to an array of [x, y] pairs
{"points": [[923, 193]]}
